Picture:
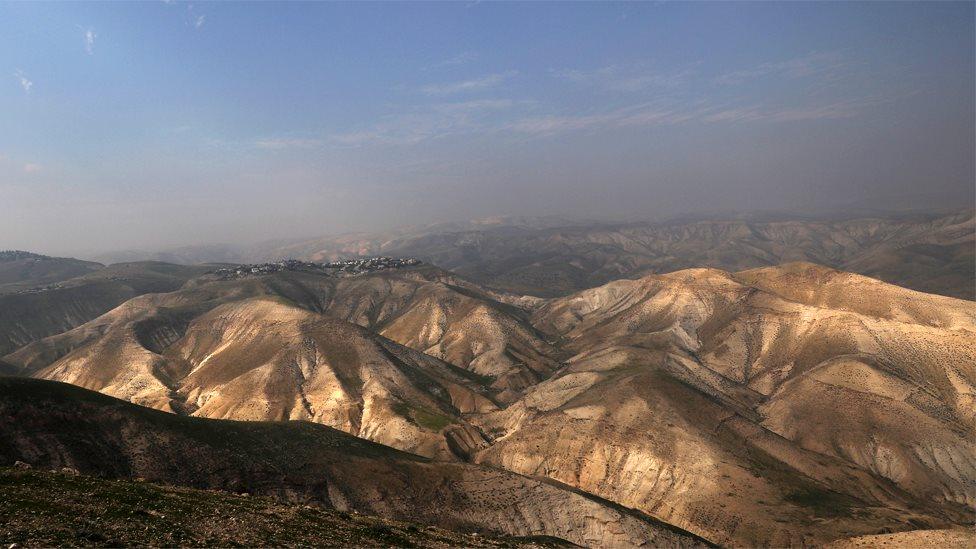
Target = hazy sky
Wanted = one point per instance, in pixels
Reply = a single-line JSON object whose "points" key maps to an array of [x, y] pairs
{"points": [[129, 125]]}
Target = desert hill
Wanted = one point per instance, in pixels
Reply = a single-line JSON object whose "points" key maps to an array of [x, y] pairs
{"points": [[277, 347], [755, 408], [957, 537], [788, 405], [932, 254], [54, 425]]}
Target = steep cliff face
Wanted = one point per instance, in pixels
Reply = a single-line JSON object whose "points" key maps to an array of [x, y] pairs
{"points": [[56, 425]]}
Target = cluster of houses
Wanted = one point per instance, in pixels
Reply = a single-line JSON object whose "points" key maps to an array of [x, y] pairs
{"points": [[14, 255], [369, 264], [346, 267], [39, 289]]}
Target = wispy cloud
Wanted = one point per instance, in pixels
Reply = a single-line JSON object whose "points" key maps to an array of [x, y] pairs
{"points": [[278, 143], [656, 114], [462, 58], [32, 168], [832, 111], [90, 37], [473, 84], [429, 122], [25, 82], [813, 64], [502, 115], [624, 78], [194, 19], [552, 124]]}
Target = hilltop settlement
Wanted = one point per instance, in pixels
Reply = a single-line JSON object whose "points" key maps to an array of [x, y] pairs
{"points": [[348, 267]]}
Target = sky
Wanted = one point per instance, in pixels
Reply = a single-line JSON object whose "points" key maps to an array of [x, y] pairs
{"points": [[149, 125]]}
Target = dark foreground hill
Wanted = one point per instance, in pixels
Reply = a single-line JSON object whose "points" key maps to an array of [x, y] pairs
{"points": [[53, 425], [58, 509]]}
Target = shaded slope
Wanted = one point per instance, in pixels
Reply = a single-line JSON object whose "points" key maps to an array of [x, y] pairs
{"points": [[53, 425], [449, 318], [19, 270], [26, 317], [46, 509]]}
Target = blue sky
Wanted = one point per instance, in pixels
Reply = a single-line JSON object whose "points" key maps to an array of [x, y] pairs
{"points": [[158, 124]]}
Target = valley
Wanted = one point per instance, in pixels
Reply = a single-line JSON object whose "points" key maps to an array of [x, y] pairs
{"points": [[608, 275]]}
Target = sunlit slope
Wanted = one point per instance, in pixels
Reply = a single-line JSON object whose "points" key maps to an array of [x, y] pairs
{"points": [[788, 405], [275, 347], [265, 359], [785, 405]]}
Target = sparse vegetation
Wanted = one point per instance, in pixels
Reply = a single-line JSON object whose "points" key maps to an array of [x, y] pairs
{"points": [[47, 509]]}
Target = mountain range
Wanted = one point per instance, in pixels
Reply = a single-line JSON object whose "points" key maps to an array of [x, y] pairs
{"points": [[553, 256], [784, 405]]}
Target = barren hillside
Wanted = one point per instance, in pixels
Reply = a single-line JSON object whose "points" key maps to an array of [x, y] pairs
{"points": [[785, 405], [53, 425]]}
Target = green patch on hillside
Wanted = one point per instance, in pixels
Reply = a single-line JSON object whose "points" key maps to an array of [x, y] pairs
{"points": [[431, 421], [824, 503]]}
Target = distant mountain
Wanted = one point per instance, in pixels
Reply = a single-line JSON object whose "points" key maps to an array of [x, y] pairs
{"points": [[931, 253], [21, 270], [53, 425], [555, 256], [29, 312]]}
